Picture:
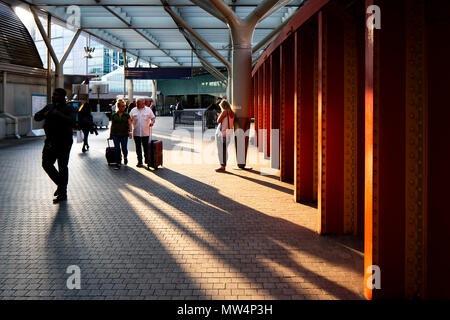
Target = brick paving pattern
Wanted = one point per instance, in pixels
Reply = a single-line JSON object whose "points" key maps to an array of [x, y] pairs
{"points": [[181, 232]]}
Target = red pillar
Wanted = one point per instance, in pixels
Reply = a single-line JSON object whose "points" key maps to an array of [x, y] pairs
{"points": [[255, 105], [267, 90], [287, 77], [331, 193], [275, 110], [438, 149], [396, 130], [264, 107], [304, 115], [260, 109]]}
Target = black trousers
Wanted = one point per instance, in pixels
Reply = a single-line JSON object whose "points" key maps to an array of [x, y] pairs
{"points": [[141, 142], [86, 135], [57, 152]]}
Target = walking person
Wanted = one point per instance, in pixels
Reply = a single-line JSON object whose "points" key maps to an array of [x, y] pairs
{"points": [[120, 132], [86, 124], [58, 126], [142, 119], [177, 109], [151, 104], [224, 133]]}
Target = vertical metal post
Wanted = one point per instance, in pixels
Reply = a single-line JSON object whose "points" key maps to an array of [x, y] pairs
{"points": [[3, 109], [130, 84], [49, 61], [124, 53], [242, 34]]}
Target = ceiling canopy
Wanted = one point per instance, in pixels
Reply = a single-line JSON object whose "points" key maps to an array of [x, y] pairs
{"points": [[146, 30]]}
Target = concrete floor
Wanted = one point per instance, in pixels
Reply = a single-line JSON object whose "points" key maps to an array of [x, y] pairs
{"points": [[181, 232]]}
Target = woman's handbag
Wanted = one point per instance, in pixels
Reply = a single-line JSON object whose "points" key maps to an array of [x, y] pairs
{"points": [[229, 132]]}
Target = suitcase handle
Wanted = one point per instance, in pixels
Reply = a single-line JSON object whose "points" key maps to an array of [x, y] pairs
{"points": [[107, 140]]}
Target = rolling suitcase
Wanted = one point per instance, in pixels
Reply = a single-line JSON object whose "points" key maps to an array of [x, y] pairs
{"points": [[155, 150], [111, 154]]}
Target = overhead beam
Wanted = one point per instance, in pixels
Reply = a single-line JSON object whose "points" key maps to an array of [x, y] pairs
{"points": [[100, 39], [204, 43], [69, 48], [142, 34], [210, 9], [143, 3], [271, 35], [207, 65], [163, 28]]}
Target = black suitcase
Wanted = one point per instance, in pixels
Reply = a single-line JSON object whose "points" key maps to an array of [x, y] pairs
{"points": [[111, 154]]}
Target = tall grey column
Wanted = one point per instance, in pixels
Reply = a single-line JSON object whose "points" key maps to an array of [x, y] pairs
{"points": [[131, 84], [49, 61], [242, 35]]}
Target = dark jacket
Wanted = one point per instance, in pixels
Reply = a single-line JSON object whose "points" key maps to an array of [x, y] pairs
{"points": [[214, 107], [85, 119], [59, 122]]}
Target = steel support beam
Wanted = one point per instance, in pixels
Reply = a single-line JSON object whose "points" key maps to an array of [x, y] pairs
{"points": [[4, 92], [58, 68], [70, 47], [130, 83], [208, 66], [204, 43], [125, 65], [130, 26], [49, 61], [267, 39], [242, 34], [208, 8]]}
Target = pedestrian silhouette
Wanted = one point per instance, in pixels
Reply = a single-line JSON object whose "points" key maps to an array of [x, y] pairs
{"points": [[58, 126]]}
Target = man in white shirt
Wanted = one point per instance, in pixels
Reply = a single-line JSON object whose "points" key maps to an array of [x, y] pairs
{"points": [[143, 119]]}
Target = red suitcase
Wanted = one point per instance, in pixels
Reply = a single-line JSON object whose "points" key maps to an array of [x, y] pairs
{"points": [[155, 150]]}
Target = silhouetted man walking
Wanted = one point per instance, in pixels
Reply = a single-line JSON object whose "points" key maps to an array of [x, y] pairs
{"points": [[59, 122]]}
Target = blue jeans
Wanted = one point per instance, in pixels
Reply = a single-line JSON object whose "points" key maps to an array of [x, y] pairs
{"points": [[118, 142]]}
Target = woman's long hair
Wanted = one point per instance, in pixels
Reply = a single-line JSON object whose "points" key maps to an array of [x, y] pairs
{"points": [[225, 105], [118, 102]]}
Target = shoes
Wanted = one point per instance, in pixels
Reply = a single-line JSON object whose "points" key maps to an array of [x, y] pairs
{"points": [[56, 192], [60, 198], [125, 161], [140, 165], [117, 167], [84, 149], [221, 169]]}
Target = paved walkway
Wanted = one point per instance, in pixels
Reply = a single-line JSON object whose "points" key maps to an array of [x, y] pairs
{"points": [[182, 232]]}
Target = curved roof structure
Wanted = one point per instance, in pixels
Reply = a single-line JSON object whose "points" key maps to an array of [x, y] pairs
{"points": [[16, 45], [146, 30]]}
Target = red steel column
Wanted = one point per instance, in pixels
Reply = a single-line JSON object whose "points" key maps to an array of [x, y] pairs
{"points": [[255, 105], [260, 109], [263, 107], [393, 87], [267, 90], [331, 121], [275, 111], [287, 76], [304, 116], [438, 220]]}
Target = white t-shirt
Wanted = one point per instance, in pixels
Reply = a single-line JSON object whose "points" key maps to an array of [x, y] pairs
{"points": [[142, 118]]}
